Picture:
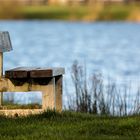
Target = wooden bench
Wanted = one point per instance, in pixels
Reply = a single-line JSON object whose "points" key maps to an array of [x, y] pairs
{"points": [[46, 80], [23, 79]]}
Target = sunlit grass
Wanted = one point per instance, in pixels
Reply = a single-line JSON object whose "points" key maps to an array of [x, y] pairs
{"points": [[67, 125], [7, 105]]}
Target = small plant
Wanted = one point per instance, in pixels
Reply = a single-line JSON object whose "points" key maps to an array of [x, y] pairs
{"points": [[95, 97]]}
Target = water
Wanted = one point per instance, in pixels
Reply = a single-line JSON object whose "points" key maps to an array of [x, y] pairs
{"points": [[112, 48]]}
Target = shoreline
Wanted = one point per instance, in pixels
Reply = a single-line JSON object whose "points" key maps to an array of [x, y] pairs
{"points": [[97, 13]]}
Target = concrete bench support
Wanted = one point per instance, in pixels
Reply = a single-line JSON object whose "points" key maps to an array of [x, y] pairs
{"points": [[1, 73], [24, 79], [46, 80]]}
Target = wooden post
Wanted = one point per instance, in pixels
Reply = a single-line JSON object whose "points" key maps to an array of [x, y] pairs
{"points": [[1, 74], [58, 93], [1, 64], [48, 96], [48, 93]]}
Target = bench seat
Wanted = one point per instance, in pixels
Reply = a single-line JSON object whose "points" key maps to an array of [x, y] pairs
{"points": [[33, 72]]}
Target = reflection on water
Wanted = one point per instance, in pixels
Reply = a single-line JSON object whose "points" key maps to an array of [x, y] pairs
{"points": [[110, 48]]}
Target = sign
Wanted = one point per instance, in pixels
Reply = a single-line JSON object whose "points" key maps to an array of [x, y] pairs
{"points": [[5, 42]]}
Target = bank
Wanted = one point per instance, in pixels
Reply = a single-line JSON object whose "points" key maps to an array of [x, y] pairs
{"points": [[98, 12]]}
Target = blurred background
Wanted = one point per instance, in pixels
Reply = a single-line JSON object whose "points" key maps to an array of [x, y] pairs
{"points": [[103, 35], [87, 10]]}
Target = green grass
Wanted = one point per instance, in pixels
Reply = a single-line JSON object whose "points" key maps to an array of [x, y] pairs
{"points": [[8, 105], [70, 126]]}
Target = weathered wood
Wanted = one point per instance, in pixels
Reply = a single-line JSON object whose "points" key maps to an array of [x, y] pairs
{"points": [[5, 42], [51, 93], [1, 98], [46, 72], [19, 72], [41, 73], [24, 79], [1, 74], [48, 93], [1, 64], [48, 96], [30, 72], [58, 92]]}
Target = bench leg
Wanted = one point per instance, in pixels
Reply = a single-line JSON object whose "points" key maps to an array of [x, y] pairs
{"points": [[52, 94], [1, 98], [58, 93], [48, 95], [1, 74]]}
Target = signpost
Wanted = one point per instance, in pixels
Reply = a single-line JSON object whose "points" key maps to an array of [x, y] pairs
{"points": [[5, 46]]}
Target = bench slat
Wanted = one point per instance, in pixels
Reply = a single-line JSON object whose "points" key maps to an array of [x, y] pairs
{"points": [[33, 72]]}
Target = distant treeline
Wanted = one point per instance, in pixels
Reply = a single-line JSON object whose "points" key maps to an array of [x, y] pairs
{"points": [[93, 12], [66, 2]]}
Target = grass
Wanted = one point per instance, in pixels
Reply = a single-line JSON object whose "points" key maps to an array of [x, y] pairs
{"points": [[7, 105], [52, 125]]}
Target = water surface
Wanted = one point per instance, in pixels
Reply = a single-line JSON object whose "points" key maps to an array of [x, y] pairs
{"points": [[112, 48]]}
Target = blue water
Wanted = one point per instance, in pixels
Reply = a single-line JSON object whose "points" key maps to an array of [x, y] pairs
{"points": [[112, 48]]}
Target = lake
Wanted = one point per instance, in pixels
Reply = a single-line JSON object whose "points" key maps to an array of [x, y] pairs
{"points": [[110, 48]]}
